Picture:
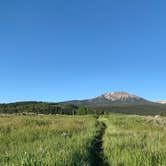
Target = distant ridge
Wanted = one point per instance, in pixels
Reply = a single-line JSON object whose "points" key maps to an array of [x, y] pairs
{"points": [[113, 102], [111, 99], [161, 102]]}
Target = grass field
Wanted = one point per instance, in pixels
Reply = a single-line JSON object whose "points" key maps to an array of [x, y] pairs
{"points": [[46, 140], [135, 141], [54, 140]]}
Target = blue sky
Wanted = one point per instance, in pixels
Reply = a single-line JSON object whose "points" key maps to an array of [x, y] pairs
{"points": [[58, 50]]}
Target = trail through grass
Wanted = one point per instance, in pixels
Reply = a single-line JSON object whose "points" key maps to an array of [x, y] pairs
{"points": [[115, 140], [97, 158]]}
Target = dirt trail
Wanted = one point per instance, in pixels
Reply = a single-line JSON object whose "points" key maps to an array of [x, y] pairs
{"points": [[97, 146]]}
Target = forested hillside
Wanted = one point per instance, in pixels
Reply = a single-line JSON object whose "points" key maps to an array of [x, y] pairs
{"points": [[37, 107], [33, 107]]}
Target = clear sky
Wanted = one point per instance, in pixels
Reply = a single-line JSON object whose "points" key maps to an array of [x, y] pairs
{"points": [[54, 50]]}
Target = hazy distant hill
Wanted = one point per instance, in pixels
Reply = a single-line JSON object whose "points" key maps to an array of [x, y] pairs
{"points": [[161, 102], [111, 99]]}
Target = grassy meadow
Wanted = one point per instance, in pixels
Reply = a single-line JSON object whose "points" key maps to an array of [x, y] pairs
{"points": [[56, 140], [46, 140], [134, 140]]}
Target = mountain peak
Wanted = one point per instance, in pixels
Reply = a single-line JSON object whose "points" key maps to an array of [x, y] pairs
{"points": [[120, 96], [112, 99]]}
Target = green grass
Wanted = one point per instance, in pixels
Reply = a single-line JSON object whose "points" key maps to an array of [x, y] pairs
{"points": [[46, 140], [134, 140], [54, 140]]}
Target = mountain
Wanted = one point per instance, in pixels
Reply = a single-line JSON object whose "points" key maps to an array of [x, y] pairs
{"points": [[111, 99], [114, 102], [161, 102]]}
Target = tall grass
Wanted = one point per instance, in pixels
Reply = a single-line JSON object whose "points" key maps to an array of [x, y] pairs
{"points": [[70, 140], [46, 140], [134, 140]]}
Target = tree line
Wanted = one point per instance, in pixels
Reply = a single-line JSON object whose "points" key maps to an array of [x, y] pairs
{"points": [[45, 108]]}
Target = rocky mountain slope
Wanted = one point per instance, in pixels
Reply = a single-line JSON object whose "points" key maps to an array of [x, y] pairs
{"points": [[111, 99]]}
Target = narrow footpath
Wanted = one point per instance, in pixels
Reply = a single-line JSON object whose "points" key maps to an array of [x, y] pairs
{"points": [[97, 156]]}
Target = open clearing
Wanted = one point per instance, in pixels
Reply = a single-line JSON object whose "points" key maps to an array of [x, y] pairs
{"points": [[54, 140]]}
